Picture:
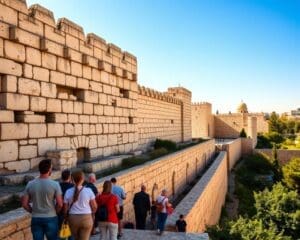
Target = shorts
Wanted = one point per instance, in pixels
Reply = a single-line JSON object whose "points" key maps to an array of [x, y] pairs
{"points": [[120, 214]]}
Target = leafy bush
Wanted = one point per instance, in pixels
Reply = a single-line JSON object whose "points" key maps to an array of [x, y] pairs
{"points": [[167, 144], [279, 207], [291, 174], [263, 141], [156, 153], [245, 228], [132, 161]]}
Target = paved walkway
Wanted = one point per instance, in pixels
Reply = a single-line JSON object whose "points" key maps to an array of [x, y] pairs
{"points": [[129, 234]]}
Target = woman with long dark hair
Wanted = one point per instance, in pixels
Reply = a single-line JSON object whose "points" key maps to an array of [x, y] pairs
{"points": [[80, 203]]}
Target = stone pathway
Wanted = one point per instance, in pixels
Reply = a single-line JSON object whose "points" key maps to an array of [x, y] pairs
{"points": [[233, 203], [151, 235]]}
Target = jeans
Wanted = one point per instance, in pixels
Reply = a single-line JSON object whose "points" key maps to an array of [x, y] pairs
{"points": [[41, 227], [108, 230], [161, 221]]}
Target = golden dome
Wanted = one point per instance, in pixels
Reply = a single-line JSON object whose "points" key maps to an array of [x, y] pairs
{"points": [[242, 108]]}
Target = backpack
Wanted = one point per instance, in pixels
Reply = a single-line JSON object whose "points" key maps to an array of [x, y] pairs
{"points": [[102, 212], [160, 206]]}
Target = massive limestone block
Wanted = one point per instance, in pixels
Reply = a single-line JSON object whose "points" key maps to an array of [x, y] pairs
{"points": [[8, 151]]}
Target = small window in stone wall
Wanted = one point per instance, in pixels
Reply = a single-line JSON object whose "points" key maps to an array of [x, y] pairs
{"points": [[36, 117], [124, 93], [114, 102], [130, 120], [69, 93], [172, 121], [83, 155]]}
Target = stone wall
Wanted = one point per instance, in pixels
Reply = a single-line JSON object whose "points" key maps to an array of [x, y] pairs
{"points": [[158, 116], [202, 120], [233, 149], [284, 155], [62, 90], [15, 225], [203, 204], [186, 110], [173, 172]]}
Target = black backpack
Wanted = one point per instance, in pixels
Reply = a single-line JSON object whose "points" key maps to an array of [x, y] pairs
{"points": [[102, 212]]}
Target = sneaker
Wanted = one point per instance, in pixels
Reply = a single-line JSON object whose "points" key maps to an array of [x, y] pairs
{"points": [[158, 232], [119, 235]]}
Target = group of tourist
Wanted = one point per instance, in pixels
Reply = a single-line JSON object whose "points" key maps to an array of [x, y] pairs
{"points": [[78, 202]]}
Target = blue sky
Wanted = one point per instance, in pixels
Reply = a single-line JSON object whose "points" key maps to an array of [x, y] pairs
{"points": [[224, 51]]}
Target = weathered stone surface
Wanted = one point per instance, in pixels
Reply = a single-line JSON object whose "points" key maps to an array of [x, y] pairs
{"points": [[53, 105], [41, 74], [29, 151], [48, 90], [8, 83], [6, 116], [33, 56], [46, 144], [37, 130], [13, 131], [55, 129], [38, 104], [8, 151], [10, 67], [29, 87], [18, 166], [14, 51]]}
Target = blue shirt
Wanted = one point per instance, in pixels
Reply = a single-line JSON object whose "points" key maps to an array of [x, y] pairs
{"points": [[119, 192]]}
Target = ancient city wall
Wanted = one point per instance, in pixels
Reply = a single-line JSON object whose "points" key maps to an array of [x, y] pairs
{"points": [[203, 204], [233, 149], [202, 120], [173, 172], [284, 155], [63, 90], [158, 116], [229, 125]]}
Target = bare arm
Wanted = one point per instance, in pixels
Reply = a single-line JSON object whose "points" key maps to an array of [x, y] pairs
{"points": [[93, 205], [59, 203], [117, 207], [25, 203]]}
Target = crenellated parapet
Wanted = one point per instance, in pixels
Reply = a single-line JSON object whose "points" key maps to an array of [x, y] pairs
{"points": [[201, 104], [36, 27], [157, 95]]}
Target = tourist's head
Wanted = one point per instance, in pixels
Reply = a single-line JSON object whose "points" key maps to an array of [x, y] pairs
{"points": [[107, 185], [164, 192], [45, 166], [113, 180], [181, 216], [66, 175], [143, 188], [78, 176], [92, 178]]}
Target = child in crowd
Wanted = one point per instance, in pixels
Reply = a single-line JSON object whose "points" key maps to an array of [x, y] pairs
{"points": [[181, 224]]}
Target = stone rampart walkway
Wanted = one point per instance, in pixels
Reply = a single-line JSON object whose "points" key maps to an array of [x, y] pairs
{"points": [[151, 235]]}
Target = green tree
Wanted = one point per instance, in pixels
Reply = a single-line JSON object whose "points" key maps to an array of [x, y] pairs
{"points": [[252, 229], [243, 133], [279, 207], [275, 124], [291, 174]]}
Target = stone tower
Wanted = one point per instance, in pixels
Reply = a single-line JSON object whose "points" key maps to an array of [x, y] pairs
{"points": [[202, 120], [186, 97]]}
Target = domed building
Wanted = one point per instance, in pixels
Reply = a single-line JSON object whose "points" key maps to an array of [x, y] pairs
{"points": [[242, 108]]}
